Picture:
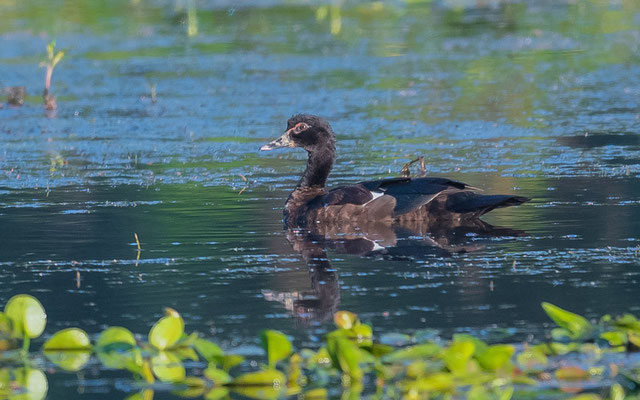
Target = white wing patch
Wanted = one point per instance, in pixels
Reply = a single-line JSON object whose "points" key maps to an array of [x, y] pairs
{"points": [[375, 196]]}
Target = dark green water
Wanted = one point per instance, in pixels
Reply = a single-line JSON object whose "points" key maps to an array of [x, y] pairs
{"points": [[539, 99]]}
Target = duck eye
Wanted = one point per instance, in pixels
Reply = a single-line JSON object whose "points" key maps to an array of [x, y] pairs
{"points": [[301, 127]]}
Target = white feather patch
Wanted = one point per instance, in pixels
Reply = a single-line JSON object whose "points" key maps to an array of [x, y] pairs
{"points": [[375, 196]]}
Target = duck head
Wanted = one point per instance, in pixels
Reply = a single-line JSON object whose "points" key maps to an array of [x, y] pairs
{"points": [[309, 132]]}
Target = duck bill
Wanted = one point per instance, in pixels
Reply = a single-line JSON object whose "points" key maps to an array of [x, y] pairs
{"points": [[282, 141]]}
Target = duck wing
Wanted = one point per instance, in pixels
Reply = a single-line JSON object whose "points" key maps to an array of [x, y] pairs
{"points": [[390, 198], [412, 193]]}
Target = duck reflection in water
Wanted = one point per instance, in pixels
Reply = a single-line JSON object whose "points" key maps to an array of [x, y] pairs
{"points": [[380, 241], [378, 218]]}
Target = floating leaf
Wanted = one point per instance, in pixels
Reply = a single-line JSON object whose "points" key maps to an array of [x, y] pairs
{"points": [[69, 360], [187, 340], [479, 345], [33, 381], [195, 387], [5, 323], [417, 369], [571, 373], [277, 346], [27, 316], [209, 350], [146, 394], [68, 339], [345, 319], [586, 396], [114, 357], [258, 392], [167, 331], [479, 392], [167, 367], [185, 353], [627, 321], [496, 356], [532, 359], [420, 351], [217, 393], [270, 377], [458, 355], [115, 335], [363, 334], [560, 335], [345, 355], [315, 394], [578, 326], [231, 360], [437, 382], [266, 384], [615, 338], [379, 350], [634, 339], [617, 392], [217, 376]]}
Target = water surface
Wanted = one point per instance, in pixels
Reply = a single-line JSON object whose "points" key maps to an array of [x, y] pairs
{"points": [[538, 99]]}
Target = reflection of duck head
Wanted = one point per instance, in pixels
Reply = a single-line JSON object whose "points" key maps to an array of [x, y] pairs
{"points": [[407, 241]]}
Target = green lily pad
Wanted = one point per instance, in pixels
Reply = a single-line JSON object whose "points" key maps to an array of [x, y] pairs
{"points": [[615, 338], [209, 350], [195, 387], [217, 376], [577, 326], [438, 382], [258, 392], [115, 335], [167, 331], [267, 378], [68, 339], [345, 355], [496, 356], [129, 358], [457, 356], [363, 334], [315, 394], [231, 360], [167, 367], [217, 393], [277, 346], [5, 323], [419, 351], [532, 359], [27, 316], [33, 381], [69, 360]]}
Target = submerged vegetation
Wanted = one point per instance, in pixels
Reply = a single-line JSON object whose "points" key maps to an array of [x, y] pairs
{"points": [[591, 360]]}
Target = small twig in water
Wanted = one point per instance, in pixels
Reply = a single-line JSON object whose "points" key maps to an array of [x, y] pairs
{"points": [[405, 169], [154, 98], [137, 241]]}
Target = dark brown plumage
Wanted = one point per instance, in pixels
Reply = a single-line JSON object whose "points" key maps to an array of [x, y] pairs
{"points": [[436, 201]]}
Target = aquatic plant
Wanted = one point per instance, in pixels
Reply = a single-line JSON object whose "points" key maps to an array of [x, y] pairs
{"points": [[53, 59], [592, 360]]}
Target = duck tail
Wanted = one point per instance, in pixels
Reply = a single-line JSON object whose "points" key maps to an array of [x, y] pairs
{"points": [[479, 204]]}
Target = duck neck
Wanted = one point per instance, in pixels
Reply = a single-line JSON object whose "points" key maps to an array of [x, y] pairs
{"points": [[319, 166]]}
